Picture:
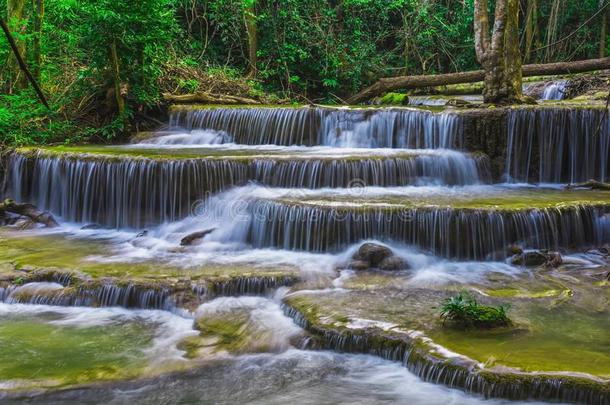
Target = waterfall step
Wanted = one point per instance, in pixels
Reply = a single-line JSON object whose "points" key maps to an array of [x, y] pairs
{"points": [[139, 187], [30, 263], [471, 222], [406, 127], [396, 316]]}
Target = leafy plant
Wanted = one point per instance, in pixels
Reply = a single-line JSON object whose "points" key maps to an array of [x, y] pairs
{"points": [[464, 311]]}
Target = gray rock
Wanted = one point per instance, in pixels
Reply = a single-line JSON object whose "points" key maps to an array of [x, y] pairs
{"points": [[393, 263], [358, 265], [537, 258], [373, 254], [195, 236]]}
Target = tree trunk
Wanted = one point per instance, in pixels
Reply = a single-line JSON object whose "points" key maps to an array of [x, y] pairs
{"points": [[207, 98], [512, 52], [38, 20], [551, 30], [116, 78], [16, 22], [499, 55], [251, 29], [531, 22], [21, 63], [603, 31], [384, 85]]}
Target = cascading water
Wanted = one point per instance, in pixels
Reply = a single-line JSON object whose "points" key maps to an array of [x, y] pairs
{"points": [[555, 145], [325, 180], [125, 192], [310, 221], [367, 128], [555, 90]]}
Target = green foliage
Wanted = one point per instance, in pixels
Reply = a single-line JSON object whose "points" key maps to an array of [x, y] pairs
{"points": [[307, 49], [142, 30], [464, 311]]}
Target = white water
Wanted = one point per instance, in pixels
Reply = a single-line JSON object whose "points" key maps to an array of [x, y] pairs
{"points": [[195, 137], [555, 90], [295, 376], [266, 327]]}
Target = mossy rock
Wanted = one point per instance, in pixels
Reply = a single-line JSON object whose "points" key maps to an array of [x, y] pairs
{"points": [[394, 99]]}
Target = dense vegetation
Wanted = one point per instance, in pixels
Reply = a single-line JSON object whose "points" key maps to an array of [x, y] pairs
{"points": [[291, 49]]}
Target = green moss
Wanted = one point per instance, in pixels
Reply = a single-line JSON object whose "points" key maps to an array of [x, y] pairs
{"points": [[496, 199], [394, 99], [66, 254], [37, 352]]}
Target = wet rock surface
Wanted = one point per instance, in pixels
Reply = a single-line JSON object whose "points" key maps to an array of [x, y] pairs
{"points": [[376, 256]]}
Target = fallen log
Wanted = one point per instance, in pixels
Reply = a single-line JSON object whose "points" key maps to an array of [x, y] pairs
{"points": [[207, 98], [592, 184], [30, 211], [386, 84]]}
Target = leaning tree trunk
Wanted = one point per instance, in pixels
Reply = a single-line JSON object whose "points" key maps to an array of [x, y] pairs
{"points": [[16, 22], [251, 29], [498, 53]]}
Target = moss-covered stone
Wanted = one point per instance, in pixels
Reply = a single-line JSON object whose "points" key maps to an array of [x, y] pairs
{"points": [[394, 99]]}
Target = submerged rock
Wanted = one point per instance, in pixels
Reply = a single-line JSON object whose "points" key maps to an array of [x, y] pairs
{"points": [[91, 227], [376, 256]]}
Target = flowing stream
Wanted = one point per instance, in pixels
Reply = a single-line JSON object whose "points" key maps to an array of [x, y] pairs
{"points": [[277, 188]]}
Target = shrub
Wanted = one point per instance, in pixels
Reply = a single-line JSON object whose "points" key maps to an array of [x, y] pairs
{"points": [[464, 311]]}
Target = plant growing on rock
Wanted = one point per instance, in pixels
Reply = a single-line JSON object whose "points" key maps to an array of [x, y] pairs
{"points": [[464, 311]]}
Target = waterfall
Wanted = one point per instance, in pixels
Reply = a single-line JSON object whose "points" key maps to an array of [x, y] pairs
{"points": [[555, 90], [371, 128], [456, 233], [309, 221], [558, 145], [127, 192]]}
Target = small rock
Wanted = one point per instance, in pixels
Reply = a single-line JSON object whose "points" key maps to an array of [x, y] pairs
{"points": [[515, 250], [191, 238], [142, 234], [458, 102], [373, 253], [554, 259], [24, 224], [537, 258], [91, 226]]}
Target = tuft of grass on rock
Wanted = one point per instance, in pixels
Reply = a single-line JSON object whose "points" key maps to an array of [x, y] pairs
{"points": [[464, 311]]}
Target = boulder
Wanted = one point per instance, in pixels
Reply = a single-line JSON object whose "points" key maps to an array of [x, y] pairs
{"points": [[376, 256], [373, 253], [393, 263]]}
